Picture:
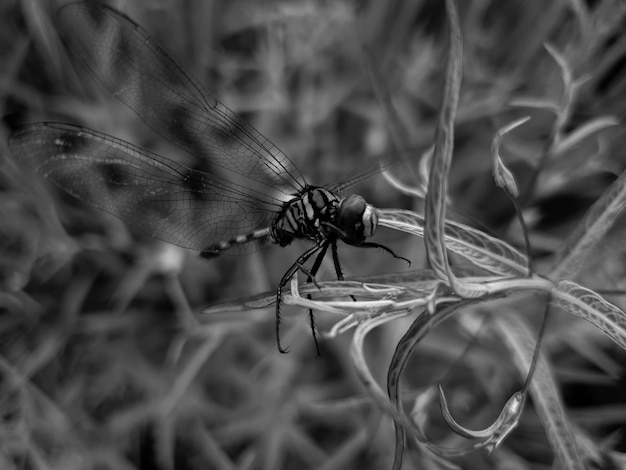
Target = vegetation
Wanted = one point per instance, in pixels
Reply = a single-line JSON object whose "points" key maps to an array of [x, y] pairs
{"points": [[119, 351]]}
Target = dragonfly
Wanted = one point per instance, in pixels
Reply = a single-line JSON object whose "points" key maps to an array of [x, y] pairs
{"points": [[241, 191]]}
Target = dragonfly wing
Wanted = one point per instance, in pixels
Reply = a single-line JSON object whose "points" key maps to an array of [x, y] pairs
{"points": [[134, 68], [158, 196]]}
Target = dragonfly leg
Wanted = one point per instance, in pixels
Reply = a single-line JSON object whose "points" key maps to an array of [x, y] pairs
{"points": [[293, 269], [338, 265], [311, 277], [384, 248]]}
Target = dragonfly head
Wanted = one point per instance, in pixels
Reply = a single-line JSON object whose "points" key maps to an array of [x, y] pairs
{"points": [[356, 220]]}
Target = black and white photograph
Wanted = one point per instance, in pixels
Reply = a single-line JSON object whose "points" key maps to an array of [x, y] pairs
{"points": [[312, 234]]}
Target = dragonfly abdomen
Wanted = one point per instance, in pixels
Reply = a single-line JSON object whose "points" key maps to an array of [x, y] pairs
{"points": [[225, 245]]}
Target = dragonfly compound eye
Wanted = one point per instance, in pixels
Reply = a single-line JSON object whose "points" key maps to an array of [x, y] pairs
{"points": [[356, 219]]}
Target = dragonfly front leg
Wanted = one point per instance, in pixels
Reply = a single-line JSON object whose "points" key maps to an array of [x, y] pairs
{"points": [[384, 248]]}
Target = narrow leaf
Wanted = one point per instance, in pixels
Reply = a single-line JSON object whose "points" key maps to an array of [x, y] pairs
{"points": [[597, 222], [424, 167], [584, 131], [435, 211], [420, 327], [435, 207], [535, 103], [543, 389], [373, 389], [566, 71], [416, 191], [588, 305], [484, 251], [503, 177], [493, 435]]}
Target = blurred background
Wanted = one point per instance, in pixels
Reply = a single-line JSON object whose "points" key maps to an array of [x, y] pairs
{"points": [[103, 363]]}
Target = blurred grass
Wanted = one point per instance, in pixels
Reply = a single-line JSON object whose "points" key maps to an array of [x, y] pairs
{"points": [[92, 315]]}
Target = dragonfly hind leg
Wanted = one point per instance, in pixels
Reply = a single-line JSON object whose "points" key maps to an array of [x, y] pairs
{"points": [[293, 269], [311, 278]]}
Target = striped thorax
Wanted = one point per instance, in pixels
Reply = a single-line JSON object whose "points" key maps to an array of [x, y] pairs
{"points": [[319, 214]]}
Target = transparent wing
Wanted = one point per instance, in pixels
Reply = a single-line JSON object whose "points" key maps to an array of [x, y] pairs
{"points": [[135, 69], [158, 196]]}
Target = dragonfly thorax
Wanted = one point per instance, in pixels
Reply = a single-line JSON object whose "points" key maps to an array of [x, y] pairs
{"points": [[319, 214]]}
